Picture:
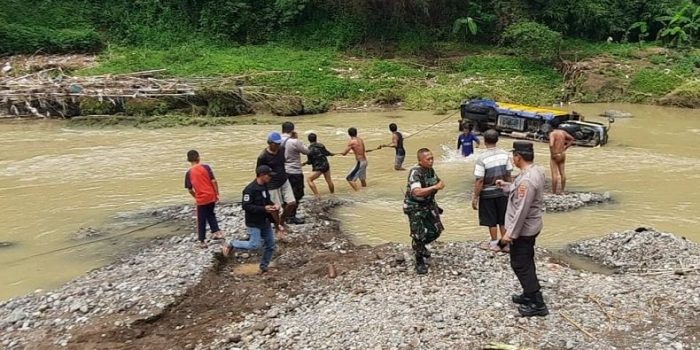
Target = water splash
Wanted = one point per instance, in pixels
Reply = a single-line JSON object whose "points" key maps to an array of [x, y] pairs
{"points": [[451, 155]]}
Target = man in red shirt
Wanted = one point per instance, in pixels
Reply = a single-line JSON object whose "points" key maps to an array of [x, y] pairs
{"points": [[201, 184]]}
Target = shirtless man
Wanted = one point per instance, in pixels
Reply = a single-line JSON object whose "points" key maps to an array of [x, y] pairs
{"points": [[559, 142], [357, 146]]}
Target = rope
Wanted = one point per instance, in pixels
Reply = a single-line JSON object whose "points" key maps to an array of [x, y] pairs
{"points": [[87, 243], [421, 130], [430, 126]]}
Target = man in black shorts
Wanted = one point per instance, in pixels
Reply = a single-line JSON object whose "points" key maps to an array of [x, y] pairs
{"points": [[397, 143], [318, 158], [492, 165]]}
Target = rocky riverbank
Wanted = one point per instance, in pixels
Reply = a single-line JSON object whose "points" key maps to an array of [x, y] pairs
{"points": [[172, 295], [133, 288]]}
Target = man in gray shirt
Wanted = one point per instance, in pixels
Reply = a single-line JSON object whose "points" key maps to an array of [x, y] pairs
{"points": [[293, 149], [523, 224]]}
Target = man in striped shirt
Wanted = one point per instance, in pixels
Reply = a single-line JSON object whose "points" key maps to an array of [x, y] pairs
{"points": [[494, 164]]}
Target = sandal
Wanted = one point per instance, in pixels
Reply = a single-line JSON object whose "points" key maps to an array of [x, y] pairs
{"points": [[218, 235]]}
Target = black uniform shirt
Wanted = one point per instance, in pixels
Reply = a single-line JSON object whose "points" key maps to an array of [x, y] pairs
{"points": [[255, 198]]}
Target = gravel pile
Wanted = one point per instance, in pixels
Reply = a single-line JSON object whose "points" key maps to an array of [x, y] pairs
{"points": [[464, 302], [573, 200], [642, 250], [133, 288]]}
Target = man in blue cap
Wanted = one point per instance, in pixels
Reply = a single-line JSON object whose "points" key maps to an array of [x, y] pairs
{"points": [[523, 225], [279, 187]]}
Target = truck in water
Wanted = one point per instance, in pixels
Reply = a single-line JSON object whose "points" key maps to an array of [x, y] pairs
{"points": [[531, 123]]}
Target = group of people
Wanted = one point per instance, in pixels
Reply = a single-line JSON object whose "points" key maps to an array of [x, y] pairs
{"points": [[511, 207], [270, 201]]}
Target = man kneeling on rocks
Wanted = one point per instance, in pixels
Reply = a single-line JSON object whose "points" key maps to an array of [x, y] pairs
{"points": [[523, 224], [260, 214], [420, 206]]}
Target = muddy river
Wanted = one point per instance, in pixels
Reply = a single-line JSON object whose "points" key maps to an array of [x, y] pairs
{"points": [[56, 181]]}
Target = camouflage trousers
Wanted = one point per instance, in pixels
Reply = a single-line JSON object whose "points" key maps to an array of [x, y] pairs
{"points": [[426, 227]]}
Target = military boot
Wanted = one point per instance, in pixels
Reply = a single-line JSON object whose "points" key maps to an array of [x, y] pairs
{"points": [[536, 307], [421, 267], [521, 299]]}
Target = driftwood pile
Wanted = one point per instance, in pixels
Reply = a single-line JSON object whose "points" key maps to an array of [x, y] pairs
{"points": [[53, 93]]}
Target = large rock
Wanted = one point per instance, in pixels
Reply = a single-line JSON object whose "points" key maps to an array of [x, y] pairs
{"points": [[613, 113]]}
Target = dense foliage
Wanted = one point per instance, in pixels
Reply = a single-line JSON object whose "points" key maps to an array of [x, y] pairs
{"points": [[532, 40], [408, 25]]}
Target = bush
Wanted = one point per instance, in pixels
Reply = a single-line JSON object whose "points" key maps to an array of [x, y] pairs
{"points": [[15, 38], [532, 40]]}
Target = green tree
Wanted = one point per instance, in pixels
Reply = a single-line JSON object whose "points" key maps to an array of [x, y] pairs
{"points": [[680, 27], [532, 40]]}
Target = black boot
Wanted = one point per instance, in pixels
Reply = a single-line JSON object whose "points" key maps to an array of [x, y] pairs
{"points": [[521, 299], [421, 268], [536, 306]]}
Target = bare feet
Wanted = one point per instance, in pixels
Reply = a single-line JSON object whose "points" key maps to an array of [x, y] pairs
{"points": [[217, 235], [201, 244], [225, 250]]}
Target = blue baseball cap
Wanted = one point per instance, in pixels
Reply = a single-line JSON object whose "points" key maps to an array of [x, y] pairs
{"points": [[274, 137]]}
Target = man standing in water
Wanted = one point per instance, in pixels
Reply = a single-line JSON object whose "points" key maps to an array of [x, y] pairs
{"points": [[466, 141], [492, 165], [318, 158], [420, 206], [397, 143], [523, 225], [280, 190], [202, 185], [559, 142], [293, 149], [357, 146]]}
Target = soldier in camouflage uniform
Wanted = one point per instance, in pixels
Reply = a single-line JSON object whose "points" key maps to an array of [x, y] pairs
{"points": [[421, 208]]}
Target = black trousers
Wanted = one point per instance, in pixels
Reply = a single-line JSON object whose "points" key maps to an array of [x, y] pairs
{"points": [[522, 260], [205, 214], [297, 183]]}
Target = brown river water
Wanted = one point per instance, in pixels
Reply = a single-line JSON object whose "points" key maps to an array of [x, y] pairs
{"points": [[56, 180]]}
